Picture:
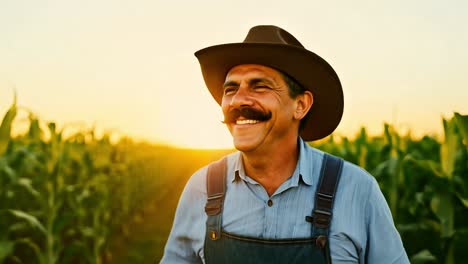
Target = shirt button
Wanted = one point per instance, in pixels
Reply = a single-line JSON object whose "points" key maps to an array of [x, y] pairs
{"points": [[270, 203]]}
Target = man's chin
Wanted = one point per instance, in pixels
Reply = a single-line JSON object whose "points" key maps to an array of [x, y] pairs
{"points": [[244, 145]]}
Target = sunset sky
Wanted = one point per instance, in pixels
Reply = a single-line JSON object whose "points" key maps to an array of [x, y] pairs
{"points": [[128, 66]]}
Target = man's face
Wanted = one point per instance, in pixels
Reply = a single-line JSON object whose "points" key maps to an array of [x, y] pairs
{"points": [[258, 109]]}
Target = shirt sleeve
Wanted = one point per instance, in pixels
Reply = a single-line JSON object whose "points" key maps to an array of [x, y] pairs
{"points": [[185, 242], [384, 242]]}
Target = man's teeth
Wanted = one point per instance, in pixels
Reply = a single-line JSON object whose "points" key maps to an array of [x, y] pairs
{"points": [[246, 121]]}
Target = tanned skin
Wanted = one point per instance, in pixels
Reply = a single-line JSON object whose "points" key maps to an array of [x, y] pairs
{"points": [[268, 147]]}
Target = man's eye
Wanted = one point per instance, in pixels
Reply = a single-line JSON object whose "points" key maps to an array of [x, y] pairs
{"points": [[261, 87], [228, 91]]}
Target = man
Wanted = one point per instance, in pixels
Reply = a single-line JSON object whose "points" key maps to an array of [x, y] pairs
{"points": [[277, 200]]}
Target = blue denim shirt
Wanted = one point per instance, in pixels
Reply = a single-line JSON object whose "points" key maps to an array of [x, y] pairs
{"points": [[362, 228]]}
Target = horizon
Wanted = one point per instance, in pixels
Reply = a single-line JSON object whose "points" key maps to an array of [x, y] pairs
{"points": [[20, 127]]}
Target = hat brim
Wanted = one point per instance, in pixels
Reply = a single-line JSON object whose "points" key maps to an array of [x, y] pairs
{"points": [[309, 69]]}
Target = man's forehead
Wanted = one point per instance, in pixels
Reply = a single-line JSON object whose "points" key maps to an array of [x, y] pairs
{"points": [[253, 69]]}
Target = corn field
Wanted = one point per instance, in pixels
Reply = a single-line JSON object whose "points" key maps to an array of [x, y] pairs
{"points": [[86, 199]]}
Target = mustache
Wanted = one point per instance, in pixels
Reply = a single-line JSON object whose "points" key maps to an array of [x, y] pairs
{"points": [[246, 112]]}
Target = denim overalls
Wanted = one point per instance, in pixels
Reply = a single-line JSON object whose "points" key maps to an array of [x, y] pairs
{"points": [[222, 247]]}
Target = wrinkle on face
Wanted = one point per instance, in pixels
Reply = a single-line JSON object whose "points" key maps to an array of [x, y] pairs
{"points": [[262, 90]]}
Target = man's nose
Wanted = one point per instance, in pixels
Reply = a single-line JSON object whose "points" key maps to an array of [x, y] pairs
{"points": [[242, 97]]}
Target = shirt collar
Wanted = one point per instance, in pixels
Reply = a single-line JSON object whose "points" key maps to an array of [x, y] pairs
{"points": [[301, 173]]}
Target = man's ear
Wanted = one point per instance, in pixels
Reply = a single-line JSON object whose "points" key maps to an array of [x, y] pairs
{"points": [[303, 104]]}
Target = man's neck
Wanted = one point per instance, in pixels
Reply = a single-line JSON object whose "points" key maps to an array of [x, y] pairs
{"points": [[271, 168]]}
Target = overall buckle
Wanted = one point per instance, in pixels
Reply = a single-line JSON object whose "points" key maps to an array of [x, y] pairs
{"points": [[214, 204], [321, 218]]}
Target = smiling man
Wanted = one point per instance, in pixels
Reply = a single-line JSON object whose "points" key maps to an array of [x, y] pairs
{"points": [[277, 200]]}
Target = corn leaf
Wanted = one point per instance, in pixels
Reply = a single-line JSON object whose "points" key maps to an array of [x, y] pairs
{"points": [[463, 200], [449, 147], [423, 256], [442, 206], [429, 165], [5, 127], [27, 184], [462, 123], [7, 170], [34, 128], [30, 219], [33, 246]]}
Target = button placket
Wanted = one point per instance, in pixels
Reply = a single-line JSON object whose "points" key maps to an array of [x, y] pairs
{"points": [[271, 218]]}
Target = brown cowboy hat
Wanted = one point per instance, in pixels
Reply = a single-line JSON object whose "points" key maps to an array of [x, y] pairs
{"points": [[276, 48]]}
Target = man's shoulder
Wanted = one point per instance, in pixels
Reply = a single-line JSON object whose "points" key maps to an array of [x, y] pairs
{"points": [[357, 185], [356, 173]]}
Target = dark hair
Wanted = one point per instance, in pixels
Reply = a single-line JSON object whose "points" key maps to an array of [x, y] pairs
{"points": [[295, 89]]}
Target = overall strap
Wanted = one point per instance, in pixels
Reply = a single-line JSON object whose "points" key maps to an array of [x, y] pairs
{"points": [[216, 189], [323, 210]]}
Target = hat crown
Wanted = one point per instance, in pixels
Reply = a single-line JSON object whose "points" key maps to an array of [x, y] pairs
{"points": [[271, 34]]}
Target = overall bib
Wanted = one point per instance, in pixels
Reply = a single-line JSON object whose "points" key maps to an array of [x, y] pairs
{"points": [[222, 247]]}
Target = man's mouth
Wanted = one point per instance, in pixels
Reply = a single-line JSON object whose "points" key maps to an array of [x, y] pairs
{"points": [[246, 121]]}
